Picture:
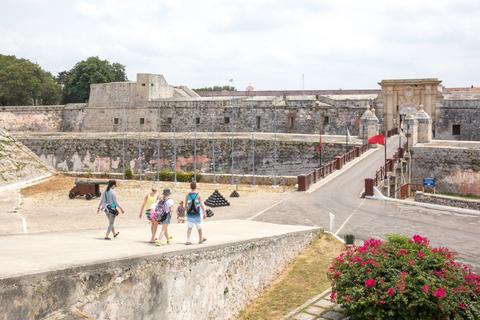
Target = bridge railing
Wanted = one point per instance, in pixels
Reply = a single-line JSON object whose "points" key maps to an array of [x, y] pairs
{"points": [[307, 179], [381, 173]]}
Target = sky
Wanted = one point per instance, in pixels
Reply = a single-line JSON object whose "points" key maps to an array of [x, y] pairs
{"points": [[348, 44]]}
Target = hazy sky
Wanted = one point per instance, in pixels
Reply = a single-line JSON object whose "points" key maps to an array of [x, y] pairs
{"points": [[270, 44]]}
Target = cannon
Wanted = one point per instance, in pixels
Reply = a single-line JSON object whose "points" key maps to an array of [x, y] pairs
{"points": [[87, 188]]}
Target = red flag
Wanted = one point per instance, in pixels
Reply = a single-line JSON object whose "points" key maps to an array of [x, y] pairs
{"points": [[378, 139], [320, 146]]}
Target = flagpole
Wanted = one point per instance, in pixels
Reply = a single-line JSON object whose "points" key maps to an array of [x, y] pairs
{"points": [[346, 138], [385, 140]]}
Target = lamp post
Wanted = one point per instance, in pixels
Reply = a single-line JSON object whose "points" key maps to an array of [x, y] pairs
{"points": [[385, 153]]}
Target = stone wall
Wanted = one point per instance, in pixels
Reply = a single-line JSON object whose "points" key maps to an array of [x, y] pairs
{"points": [[103, 152], [209, 283], [444, 200], [455, 165], [462, 112], [42, 118], [230, 115]]}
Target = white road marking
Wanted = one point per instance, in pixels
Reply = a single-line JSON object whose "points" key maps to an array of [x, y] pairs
{"points": [[24, 225], [264, 210], [353, 212]]}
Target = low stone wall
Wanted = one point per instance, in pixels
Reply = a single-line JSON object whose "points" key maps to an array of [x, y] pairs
{"points": [[207, 283], [205, 177], [447, 200]]}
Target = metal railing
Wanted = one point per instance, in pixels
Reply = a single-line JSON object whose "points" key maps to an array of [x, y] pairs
{"points": [[307, 179]]}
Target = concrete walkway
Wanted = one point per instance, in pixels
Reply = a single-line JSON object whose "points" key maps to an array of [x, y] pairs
{"points": [[40, 252], [318, 308]]}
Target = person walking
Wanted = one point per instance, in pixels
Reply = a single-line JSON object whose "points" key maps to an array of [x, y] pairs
{"points": [[180, 213], [109, 204], [147, 207], [195, 211], [163, 215]]}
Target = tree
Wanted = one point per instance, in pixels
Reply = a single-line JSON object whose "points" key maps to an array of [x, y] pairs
{"points": [[23, 82], [77, 81]]}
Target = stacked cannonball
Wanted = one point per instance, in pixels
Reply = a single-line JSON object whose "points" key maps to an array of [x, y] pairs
{"points": [[234, 194], [216, 200]]}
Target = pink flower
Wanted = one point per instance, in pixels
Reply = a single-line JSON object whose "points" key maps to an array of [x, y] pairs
{"points": [[440, 293], [462, 306], [333, 296], [348, 298], [420, 254], [370, 283], [426, 289], [381, 302], [402, 252], [420, 240], [390, 292], [439, 273]]}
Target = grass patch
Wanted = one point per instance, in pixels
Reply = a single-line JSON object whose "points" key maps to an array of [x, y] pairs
{"points": [[303, 279]]}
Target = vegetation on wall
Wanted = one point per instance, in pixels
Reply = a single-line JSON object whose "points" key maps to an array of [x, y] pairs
{"points": [[23, 82], [76, 82], [216, 88]]}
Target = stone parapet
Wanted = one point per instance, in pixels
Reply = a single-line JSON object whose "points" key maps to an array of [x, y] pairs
{"points": [[214, 282], [450, 201]]}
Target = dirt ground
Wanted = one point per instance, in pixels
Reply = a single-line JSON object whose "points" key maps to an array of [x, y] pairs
{"points": [[46, 206]]}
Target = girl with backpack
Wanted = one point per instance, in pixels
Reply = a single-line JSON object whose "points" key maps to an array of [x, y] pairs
{"points": [[163, 215], [195, 211], [109, 204]]}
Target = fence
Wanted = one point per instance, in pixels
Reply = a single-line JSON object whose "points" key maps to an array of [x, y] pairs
{"points": [[381, 173], [306, 180]]}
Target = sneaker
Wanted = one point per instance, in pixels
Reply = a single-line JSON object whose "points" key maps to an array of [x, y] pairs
{"points": [[158, 243]]}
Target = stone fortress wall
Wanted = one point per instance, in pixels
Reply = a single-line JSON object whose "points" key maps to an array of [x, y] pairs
{"points": [[103, 153], [151, 104], [454, 164]]}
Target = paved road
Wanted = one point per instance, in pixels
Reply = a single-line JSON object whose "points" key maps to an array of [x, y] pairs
{"points": [[366, 218]]}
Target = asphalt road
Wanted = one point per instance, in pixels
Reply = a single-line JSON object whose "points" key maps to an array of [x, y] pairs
{"points": [[366, 218]]}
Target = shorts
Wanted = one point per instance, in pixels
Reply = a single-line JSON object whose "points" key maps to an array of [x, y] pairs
{"points": [[195, 221], [167, 220], [147, 214], [192, 224]]}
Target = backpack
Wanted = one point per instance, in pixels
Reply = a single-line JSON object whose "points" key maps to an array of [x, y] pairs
{"points": [[160, 214], [192, 209]]}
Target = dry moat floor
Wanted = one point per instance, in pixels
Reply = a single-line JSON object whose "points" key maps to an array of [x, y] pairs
{"points": [[46, 206]]}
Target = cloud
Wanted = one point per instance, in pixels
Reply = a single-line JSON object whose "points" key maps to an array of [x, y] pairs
{"points": [[269, 43]]}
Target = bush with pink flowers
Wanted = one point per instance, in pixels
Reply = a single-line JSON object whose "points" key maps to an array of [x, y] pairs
{"points": [[403, 278]]}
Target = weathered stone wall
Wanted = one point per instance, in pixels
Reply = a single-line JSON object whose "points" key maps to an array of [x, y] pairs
{"points": [[229, 115], [103, 152], [42, 118], [463, 112], [447, 200], [209, 283], [455, 165]]}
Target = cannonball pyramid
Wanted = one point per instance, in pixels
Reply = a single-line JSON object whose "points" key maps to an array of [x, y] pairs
{"points": [[216, 200], [234, 194]]}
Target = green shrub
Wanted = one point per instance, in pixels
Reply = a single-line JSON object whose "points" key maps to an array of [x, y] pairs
{"points": [[128, 173], [404, 279], [182, 176]]}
